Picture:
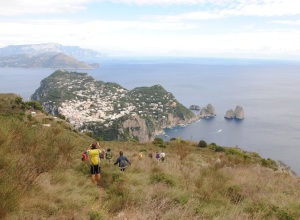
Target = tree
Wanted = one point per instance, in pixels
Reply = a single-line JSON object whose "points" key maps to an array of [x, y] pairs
{"points": [[202, 144]]}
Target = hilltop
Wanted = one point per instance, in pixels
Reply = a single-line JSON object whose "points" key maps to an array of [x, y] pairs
{"points": [[108, 110], [43, 177]]}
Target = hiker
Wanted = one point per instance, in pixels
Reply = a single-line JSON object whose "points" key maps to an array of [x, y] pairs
{"points": [[157, 156], [94, 160], [122, 161], [150, 155], [108, 155], [140, 156], [162, 156]]}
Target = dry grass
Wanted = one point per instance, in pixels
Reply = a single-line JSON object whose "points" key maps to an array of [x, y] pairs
{"points": [[42, 177]]}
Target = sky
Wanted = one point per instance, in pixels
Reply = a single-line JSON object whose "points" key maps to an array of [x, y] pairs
{"points": [[188, 28]]}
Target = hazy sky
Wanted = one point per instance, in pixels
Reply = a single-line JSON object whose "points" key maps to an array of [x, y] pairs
{"points": [[205, 28]]}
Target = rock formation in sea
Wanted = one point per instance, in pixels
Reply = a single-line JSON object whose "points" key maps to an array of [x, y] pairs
{"points": [[238, 113], [207, 111], [194, 107], [229, 114]]}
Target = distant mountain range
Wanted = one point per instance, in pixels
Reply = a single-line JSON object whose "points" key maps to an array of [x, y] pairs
{"points": [[48, 55]]}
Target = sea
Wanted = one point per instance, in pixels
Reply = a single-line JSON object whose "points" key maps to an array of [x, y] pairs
{"points": [[268, 91]]}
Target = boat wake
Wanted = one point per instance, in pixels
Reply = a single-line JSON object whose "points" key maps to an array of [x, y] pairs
{"points": [[218, 131]]}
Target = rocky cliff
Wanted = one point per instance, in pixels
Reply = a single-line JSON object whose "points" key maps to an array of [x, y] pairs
{"points": [[108, 110]]}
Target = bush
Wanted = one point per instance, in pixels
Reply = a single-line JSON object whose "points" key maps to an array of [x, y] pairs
{"points": [[202, 144], [95, 215], [216, 148], [269, 163], [234, 193], [159, 142], [161, 178]]}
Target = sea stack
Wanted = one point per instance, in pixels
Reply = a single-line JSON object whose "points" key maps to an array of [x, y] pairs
{"points": [[229, 114], [208, 111], [238, 113]]}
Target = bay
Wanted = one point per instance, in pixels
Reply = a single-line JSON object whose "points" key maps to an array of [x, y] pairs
{"points": [[268, 91]]}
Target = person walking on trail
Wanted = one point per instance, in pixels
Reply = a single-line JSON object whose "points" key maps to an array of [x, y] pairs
{"points": [[108, 155], [94, 152], [122, 161], [157, 156], [162, 156], [140, 156], [150, 155]]}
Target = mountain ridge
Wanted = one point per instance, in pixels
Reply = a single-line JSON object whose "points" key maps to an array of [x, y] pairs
{"points": [[48, 55], [35, 49]]}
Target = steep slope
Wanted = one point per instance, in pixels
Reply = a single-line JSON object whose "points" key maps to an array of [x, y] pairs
{"points": [[43, 177], [108, 110]]}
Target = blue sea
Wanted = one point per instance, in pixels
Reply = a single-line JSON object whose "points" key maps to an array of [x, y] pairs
{"points": [[269, 92]]}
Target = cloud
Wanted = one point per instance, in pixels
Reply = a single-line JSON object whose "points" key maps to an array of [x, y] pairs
{"points": [[17, 7], [287, 22], [109, 35], [257, 8], [161, 2]]}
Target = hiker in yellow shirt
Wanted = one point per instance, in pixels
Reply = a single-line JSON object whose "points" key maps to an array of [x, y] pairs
{"points": [[94, 152]]}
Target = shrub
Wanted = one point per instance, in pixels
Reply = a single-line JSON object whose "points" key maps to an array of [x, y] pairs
{"points": [[217, 148], [202, 144], [95, 215], [234, 194], [159, 142], [269, 163], [62, 116], [161, 178], [117, 196]]}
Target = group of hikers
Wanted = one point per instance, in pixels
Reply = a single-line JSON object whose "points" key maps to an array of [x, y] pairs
{"points": [[94, 153], [159, 156]]}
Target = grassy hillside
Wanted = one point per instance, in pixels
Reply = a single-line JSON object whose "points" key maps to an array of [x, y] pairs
{"points": [[43, 177]]}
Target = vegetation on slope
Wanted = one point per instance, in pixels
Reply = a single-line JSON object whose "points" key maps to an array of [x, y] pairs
{"points": [[42, 177], [103, 108]]}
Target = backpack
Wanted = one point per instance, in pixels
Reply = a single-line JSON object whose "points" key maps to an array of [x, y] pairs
{"points": [[140, 156], [108, 155], [84, 156], [94, 156]]}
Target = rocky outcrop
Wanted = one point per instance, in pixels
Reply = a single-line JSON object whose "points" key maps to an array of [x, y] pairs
{"points": [[51, 108], [208, 111], [194, 107], [238, 113], [229, 114], [135, 127]]}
